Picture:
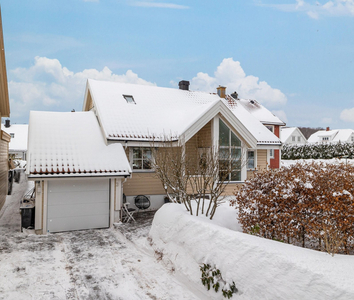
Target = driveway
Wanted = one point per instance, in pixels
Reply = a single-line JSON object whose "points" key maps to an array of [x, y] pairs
{"points": [[116, 263]]}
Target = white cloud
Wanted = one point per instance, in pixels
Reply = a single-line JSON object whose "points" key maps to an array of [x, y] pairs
{"points": [[329, 8], [281, 115], [47, 85], [160, 5], [230, 74], [347, 115]]}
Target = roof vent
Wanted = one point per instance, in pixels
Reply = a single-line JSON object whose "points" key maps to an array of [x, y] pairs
{"points": [[184, 85], [234, 95], [7, 123]]}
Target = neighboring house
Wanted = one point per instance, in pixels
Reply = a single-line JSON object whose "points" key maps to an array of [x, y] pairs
{"points": [[332, 136], [269, 120], [137, 115], [292, 136], [4, 112], [18, 143], [78, 178]]}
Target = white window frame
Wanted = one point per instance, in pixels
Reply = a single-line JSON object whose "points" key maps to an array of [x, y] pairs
{"points": [[293, 138], [254, 159], [270, 127], [271, 153], [131, 160], [230, 149]]}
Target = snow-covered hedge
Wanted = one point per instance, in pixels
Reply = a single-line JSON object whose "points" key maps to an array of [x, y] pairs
{"points": [[318, 151], [307, 204]]}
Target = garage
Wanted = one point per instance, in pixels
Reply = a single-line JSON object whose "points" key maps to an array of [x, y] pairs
{"points": [[77, 204]]}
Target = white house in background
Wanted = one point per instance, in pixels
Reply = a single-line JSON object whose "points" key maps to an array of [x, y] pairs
{"points": [[78, 178], [292, 136], [332, 136], [18, 142]]}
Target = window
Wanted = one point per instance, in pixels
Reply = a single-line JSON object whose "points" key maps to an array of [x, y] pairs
{"points": [[271, 153], [12, 135], [129, 99], [250, 160], [298, 139], [326, 138], [141, 159], [229, 154], [293, 138], [270, 127], [352, 138]]}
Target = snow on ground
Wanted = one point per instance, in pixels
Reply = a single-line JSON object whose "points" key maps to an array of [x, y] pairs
{"points": [[116, 263], [124, 263], [260, 268]]}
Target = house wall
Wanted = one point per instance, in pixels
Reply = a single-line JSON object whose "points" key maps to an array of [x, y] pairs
{"points": [[4, 166], [144, 183], [274, 163], [89, 102]]}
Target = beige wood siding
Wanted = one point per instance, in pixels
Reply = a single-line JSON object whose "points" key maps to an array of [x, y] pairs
{"points": [[262, 160], [4, 166], [230, 188], [89, 102], [143, 184], [261, 163]]}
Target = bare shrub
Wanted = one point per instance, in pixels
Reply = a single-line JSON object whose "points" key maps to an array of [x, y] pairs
{"points": [[311, 205]]}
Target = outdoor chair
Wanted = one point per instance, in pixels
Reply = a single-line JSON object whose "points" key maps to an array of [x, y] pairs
{"points": [[142, 202], [127, 212]]}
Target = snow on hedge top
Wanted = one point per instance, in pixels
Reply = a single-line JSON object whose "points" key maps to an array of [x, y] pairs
{"points": [[157, 112], [71, 144], [334, 136], [260, 112], [19, 140]]}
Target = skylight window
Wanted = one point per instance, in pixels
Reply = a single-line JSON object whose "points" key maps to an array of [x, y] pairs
{"points": [[129, 99], [12, 135]]}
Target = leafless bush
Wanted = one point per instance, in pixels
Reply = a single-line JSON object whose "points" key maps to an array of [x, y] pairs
{"points": [[311, 205]]}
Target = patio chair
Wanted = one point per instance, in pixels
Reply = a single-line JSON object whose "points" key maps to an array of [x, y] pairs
{"points": [[127, 212], [142, 202]]}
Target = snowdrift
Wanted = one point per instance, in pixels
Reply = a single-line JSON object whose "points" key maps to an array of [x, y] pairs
{"points": [[261, 269]]}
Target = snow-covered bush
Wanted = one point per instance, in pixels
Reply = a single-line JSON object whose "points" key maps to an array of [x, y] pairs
{"points": [[308, 204], [318, 151]]}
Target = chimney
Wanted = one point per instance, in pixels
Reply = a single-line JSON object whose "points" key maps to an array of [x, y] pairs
{"points": [[221, 91], [183, 85], [327, 129], [7, 123]]}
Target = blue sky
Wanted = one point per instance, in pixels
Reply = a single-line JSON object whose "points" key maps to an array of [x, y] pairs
{"points": [[294, 56]]}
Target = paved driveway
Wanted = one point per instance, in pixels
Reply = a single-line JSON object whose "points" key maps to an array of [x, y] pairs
{"points": [[115, 263]]}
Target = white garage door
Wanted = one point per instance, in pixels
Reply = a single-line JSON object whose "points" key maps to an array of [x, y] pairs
{"points": [[78, 204]]}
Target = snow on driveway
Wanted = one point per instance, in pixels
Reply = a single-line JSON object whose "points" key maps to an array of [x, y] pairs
{"points": [[116, 263]]}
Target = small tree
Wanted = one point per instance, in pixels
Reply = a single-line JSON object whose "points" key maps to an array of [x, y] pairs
{"points": [[194, 174]]}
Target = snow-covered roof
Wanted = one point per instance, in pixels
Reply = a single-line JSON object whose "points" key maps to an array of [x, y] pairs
{"points": [[286, 133], [260, 112], [159, 112], [335, 136], [19, 140], [70, 144]]}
